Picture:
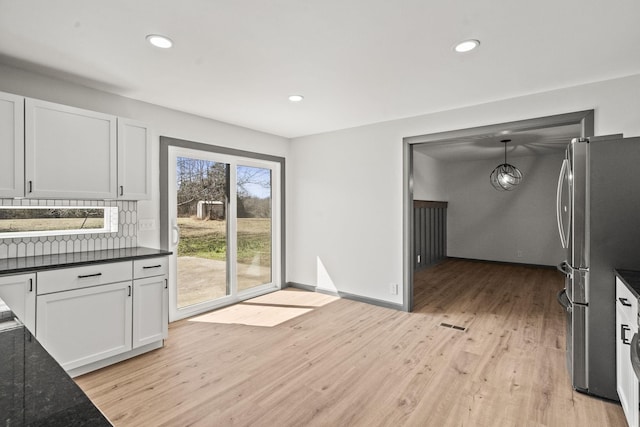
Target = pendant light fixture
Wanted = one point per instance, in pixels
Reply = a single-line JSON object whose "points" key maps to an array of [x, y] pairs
{"points": [[505, 177]]}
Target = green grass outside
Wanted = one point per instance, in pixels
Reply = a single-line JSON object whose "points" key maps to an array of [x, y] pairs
{"points": [[207, 239]]}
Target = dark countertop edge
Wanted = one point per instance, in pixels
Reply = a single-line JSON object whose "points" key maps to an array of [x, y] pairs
{"points": [[35, 263], [631, 278]]}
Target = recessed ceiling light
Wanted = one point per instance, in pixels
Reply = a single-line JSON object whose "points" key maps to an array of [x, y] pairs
{"points": [[159, 41], [466, 46], [296, 98]]}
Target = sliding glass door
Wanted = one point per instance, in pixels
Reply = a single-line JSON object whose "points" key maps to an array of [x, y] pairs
{"points": [[223, 229]]}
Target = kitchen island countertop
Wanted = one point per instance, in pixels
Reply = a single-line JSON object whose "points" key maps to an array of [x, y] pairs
{"points": [[34, 389]]}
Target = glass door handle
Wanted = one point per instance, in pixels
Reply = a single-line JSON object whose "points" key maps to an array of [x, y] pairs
{"points": [[175, 234]]}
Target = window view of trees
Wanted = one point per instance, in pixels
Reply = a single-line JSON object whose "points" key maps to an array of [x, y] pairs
{"points": [[208, 182]]}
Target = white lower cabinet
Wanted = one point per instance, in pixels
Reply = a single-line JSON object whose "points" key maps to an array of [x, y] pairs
{"points": [[86, 325], [19, 293], [151, 310], [626, 326], [91, 316]]}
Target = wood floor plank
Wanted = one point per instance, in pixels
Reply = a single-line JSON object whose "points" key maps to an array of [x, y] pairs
{"points": [[346, 363]]}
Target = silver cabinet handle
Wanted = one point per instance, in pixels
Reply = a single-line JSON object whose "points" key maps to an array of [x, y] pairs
{"points": [[30, 186], [129, 290], [122, 190], [166, 283]]}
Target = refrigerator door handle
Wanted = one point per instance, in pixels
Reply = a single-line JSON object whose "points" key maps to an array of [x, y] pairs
{"points": [[563, 300], [563, 171], [563, 267]]}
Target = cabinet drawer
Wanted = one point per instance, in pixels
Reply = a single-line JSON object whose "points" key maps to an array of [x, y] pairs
{"points": [[626, 302], [150, 267], [66, 279]]}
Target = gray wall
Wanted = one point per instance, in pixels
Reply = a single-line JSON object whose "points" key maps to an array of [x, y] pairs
{"points": [[513, 226]]}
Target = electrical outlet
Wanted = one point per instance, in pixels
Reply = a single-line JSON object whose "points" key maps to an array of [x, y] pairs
{"points": [[393, 289], [146, 224], [519, 253]]}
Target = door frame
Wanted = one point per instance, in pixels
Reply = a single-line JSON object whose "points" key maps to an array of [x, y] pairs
{"points": [[583, 118], [166, 142]]}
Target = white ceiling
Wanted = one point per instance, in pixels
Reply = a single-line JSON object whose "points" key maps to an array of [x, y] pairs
{"points": [[355, 61]]}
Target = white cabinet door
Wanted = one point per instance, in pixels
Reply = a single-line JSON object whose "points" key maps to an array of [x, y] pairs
{"points": [[19, 293], [11, 145], [85, 325], [150, 310], [626, 325], [70, 153], [134, 160]]}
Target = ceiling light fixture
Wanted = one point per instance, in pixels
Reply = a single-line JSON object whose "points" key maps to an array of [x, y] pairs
{"points": [[467, 45], [157, 40], [296, 98], [505, 177]]}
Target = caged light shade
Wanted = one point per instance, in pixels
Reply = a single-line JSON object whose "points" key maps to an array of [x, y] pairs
{"points": [[505, 177]]}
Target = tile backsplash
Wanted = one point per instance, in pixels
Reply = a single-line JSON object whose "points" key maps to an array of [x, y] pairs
{"points": [[126, 237]]}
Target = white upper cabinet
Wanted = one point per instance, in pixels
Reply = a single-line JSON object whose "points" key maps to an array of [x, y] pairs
{"points": [[11, 145], [134, 160], [70, 153]]}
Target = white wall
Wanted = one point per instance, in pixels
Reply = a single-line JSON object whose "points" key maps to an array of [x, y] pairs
{"points": [[513, 226], [429, 180], [163, 121], [345, 228]]}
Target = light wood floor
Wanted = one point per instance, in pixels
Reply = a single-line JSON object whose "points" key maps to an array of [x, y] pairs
{"points": [[346, 363]]}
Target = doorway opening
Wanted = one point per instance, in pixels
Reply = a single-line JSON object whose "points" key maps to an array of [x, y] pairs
{"points": [[556, 130], [222, 216]]}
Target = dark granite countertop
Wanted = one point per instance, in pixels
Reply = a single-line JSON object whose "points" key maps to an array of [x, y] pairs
{"points": [[48, 262], [632, 279], [34, 389]]}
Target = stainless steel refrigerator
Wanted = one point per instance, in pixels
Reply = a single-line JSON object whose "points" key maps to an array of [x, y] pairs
{"points": [[598, 212]]}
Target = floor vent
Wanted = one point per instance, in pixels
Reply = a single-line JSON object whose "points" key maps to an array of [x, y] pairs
{"points": [[447, 325]]}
